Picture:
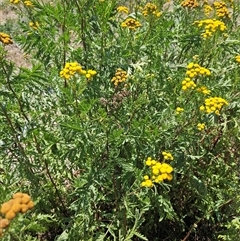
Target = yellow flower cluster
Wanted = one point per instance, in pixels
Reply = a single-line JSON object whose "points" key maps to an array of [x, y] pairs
{"points": [[5, 38], [167, 156], [207, 9], [20, 203], [179, 110], [89, 73], [34, 25], [201, 126], [73, 67], [237, 58], [213, 105], [190, 3], [188, 83], [14, 1], [70, 69], [151, 9], [123, 9], [221, 9], [210, 26], [131, 23], [120, 77], [159, 172], [204, 90], [193, 70], [28, 3]]}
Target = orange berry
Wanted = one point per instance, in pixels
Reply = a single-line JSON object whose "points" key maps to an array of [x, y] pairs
{"points": [[17, 195], [10, 215], [16, 207], [24, 208], [4, 223], [30, 204], [6, 207], [11, 201], [17, 200], [25, 198]]}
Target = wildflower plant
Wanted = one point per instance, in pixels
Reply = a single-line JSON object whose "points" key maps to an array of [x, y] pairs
{"points": [[122, 123]]}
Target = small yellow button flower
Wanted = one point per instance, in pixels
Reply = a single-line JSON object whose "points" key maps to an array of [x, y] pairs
{"points": [[5, 38], [179, 110], [123, 9], [167, 156], [200, 126], [237, 58], [131, 23]]}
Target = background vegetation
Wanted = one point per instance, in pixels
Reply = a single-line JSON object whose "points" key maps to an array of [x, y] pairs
{"points": [[78, 143]]}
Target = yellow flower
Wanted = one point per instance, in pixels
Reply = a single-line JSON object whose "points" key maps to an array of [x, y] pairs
{"points": [[159, 171], [131, 23], [28, 3], [120, 77], [237, 58], [166, 168], [34, 25], [70, 69], [159, 179], [14, 1], [202, 108], [207, 9], [221, 9], [204, 90], [146, 177], [188, 83], [158, 165], [213, 105], [210, 26], [123, 9], [5, 38], [151, 9], [148, 162], [179, 110], [201, 126], [90, 73], [155, 170], [147, 183], [190, 3], [169, 177], [167, 156]]}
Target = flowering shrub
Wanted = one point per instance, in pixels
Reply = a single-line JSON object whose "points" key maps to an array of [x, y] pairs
{"points": [[124, 122]]}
